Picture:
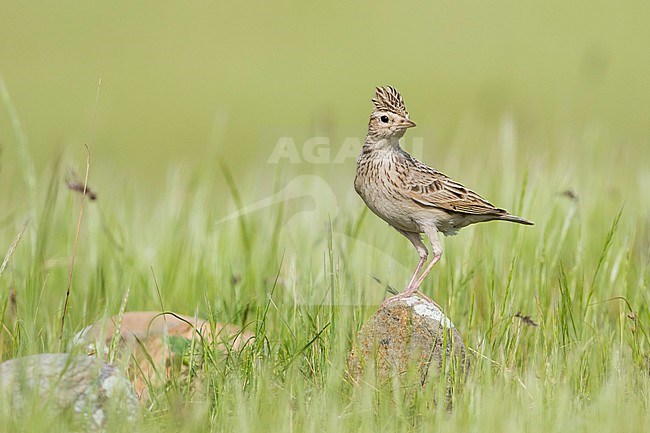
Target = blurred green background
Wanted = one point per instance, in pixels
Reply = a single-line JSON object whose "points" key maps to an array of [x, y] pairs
{"points": [[521, 101], [184, 81]]}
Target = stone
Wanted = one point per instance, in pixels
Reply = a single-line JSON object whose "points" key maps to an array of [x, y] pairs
{"points": [[412, 341], [90, 389], [155, 346]]}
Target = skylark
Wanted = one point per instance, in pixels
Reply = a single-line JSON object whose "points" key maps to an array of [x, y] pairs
{"points": [[409, 195]]}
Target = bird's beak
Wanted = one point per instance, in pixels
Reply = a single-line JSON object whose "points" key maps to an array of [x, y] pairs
{"points": [[406, 123]]}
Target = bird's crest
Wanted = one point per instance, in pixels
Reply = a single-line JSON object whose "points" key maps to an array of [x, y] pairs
{"points": [[389, 99]]}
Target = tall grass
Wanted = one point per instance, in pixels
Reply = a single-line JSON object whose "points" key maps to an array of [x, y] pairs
{"points": [[301, 273]]}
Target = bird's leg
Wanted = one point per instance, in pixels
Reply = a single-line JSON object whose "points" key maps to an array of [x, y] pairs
{"points": [[436, 249], [413, 287], [423, 260], [416, 240]]}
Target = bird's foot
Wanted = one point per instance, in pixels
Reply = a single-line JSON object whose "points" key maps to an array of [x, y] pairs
{"points": [[407, 294]]}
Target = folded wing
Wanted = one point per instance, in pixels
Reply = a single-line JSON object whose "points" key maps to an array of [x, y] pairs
{"points": [[428, 187]]}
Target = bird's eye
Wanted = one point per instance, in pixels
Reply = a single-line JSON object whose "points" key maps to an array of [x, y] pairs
{"points": [[384, 119]]}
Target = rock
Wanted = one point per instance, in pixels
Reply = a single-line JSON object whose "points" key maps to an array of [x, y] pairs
{"points": [[412, 341], [91, 389], [156, 346]]}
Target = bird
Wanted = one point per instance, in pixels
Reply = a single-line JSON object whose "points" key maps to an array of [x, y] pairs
{"points": [[409, 195]]}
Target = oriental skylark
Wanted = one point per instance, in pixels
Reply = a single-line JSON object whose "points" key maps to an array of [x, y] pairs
{"points": [[409, 195]]}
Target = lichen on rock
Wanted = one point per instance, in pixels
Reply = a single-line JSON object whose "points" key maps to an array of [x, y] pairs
{"points": [[412, 341]]}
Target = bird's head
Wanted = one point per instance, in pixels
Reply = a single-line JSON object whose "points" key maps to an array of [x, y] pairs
{"points": [[389, 118]]}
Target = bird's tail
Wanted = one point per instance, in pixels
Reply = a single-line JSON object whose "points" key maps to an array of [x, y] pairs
{"points": [[516, 219]]}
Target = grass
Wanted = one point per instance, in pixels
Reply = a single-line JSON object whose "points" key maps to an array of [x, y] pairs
{"points": [[299, 273], [542, 109]]}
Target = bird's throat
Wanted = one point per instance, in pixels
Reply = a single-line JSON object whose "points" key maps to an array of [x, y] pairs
{"points": [[374, 143]]}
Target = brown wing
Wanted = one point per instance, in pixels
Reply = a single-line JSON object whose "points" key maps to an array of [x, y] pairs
{"points": [[429, 187]]}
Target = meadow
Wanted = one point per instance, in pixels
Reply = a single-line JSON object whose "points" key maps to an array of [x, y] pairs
{"points": [[211, 199]]}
